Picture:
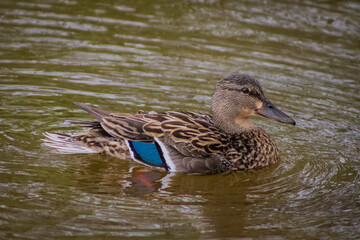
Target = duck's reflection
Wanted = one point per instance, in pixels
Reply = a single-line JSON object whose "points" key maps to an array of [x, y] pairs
{"points": [[142, 181], [219, 200]]}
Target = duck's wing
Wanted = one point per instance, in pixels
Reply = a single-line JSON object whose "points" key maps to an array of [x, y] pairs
{"points": [[126, 126], [174, 141], [190, 134], [191, 143]]}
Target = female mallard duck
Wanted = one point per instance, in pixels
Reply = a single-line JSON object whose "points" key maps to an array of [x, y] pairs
{"points": [[189, 142]]}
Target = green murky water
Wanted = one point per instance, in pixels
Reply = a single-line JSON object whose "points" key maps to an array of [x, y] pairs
{"points": [[167, 55]]}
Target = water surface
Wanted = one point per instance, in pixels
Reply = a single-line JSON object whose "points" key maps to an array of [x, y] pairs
{"points": [[166, 55]]}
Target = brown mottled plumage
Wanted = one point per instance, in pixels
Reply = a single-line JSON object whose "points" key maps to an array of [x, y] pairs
{"points": [[186, 141]]}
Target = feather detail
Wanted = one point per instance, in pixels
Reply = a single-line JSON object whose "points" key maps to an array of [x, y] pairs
{"points": [[128, 126], [62, 143], [190, 136], [95, 140]]}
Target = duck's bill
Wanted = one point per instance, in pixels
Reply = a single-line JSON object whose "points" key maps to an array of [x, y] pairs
{"points": [[270, 111]]}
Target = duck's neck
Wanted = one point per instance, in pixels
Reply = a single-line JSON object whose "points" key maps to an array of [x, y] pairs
{"points": [[233, 122]]}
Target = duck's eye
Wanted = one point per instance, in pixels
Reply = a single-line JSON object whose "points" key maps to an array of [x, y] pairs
{"points": [[245, 90]]}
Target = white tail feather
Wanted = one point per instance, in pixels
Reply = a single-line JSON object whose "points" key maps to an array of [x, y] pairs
{"points": [[63, 144]]}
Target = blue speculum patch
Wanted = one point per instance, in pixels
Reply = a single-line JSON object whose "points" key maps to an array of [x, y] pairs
{"points": [[147, 152]]}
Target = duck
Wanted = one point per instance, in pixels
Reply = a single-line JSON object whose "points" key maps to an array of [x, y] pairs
{"points": [[224, 141]]}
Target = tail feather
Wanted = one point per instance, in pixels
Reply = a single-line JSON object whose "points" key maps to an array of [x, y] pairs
{"points": [[99, 114], [89, 124], [62, 143]]}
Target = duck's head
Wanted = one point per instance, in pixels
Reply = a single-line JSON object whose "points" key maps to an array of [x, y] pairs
{"points": [[239, 96]]}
